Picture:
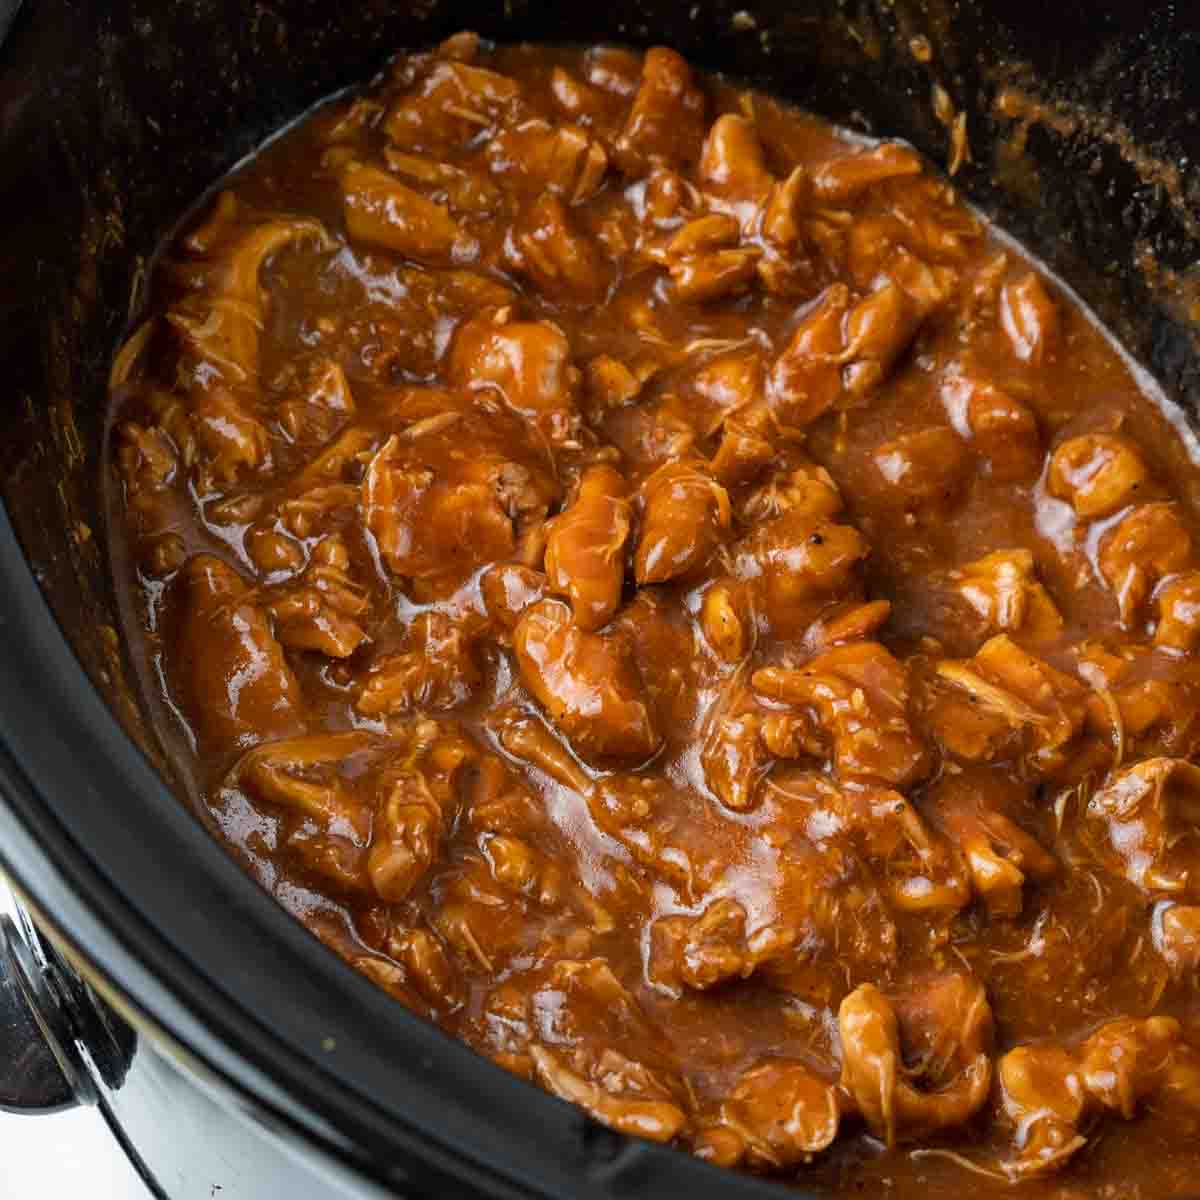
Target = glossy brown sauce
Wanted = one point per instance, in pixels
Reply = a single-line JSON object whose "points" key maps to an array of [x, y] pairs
{"points": [[660, 587]]}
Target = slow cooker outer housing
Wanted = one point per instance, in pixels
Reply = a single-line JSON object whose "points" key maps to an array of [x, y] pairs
{"points": [[113, 118]]}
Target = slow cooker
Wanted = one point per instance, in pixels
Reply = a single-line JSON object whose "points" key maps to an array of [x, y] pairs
{"points": [[230, 1053]]}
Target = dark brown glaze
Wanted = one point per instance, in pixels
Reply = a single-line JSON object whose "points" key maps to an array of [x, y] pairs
{"points": [[660, 587]]}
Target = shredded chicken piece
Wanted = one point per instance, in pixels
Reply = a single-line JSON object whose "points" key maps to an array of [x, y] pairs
{"points": [[948, 1017], [779, 1114], [1144, 819], [1049, 1091], [587, 683], [685, 514], [859, 695], [1003, 590], [585, 547], [1008, 694]]}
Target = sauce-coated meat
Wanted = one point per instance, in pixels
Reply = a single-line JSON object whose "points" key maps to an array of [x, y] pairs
{"points": [[662, 590]]}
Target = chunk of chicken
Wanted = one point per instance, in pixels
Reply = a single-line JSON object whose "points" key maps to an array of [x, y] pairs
{"points": [[437, 670], [844, 349], [322, 612], [811, 900], [1049, 1092], [1005, 701], [848, 622], [945, 1024], [806, 379], [148, 462], [1144, 821], [742, 456], [1004, 594], [878, 329], [1178, 606], [497, 802], [236, 256], [168, 413], [788, 266], [592, 107], [381, 211], [1098, 473], [587, 683], [971, 809], [1001, 429], [301, 774], [734, 755], [321, 405], [616, 71], [508, 589], [843, 179], [562, 158], [547, 246], [657, 1120], [778, 1115], [367, 813], [1176, 930], [1146, 704], [798, 566], [585, 547], [1045, 1099], [1030, 319], [415, 809], [451, 105], [220, 320], [727, 619], [464, 191], [937, 225], [869, 244], [523, 869], [232, 441], [483, 922], [305, 515], [804, 490], [666, 120], [1149, 544], [611, 384], [528, 363], [713, 947], [685, 514], [927, 287], [587, 1040], [858, 696], [918, 868], [601, 1041], [732, 162], [668, 202], [404, 501], [636, 810], [327, 825], [421, 494], [227, 670], [928, 467], [427, 968], [528, 739], [728, 384], [705, 260]]}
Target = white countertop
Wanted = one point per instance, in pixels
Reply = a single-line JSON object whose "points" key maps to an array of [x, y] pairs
{"points": [[66, 1154]]}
